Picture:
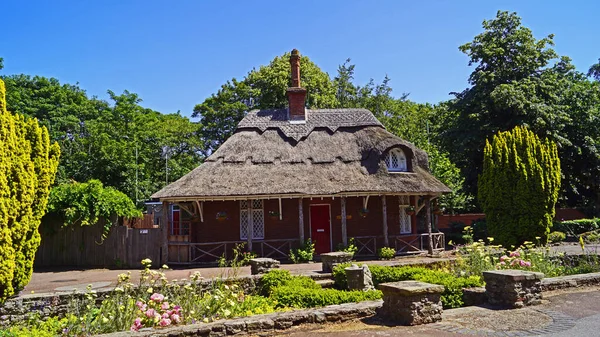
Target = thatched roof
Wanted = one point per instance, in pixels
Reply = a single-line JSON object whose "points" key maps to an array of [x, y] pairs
{"points": [[335, 151]]}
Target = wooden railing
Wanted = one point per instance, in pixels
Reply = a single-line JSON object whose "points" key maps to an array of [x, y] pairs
{"points": [[367, 245], [438, 241], [210, 252]]}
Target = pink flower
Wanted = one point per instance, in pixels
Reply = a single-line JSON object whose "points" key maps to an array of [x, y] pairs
{"points": [[515, 254], [151, 313], [503, 257], [165, 322], [157, 297], [525, 263], [137, 324], [502, 263], [175, 318], [165, 315], [164, 306], [177, 309], [141, 305]]}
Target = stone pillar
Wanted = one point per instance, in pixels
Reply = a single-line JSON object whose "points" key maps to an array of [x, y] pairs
{"points": [[301, 221], [344, 229], [513, 288], [386, 241], [333, 258], [412, 302], [359, 278]]}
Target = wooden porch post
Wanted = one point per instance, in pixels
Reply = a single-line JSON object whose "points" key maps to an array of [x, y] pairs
{"points": [[301, 220], [429, 238], [386, 241], [164, 256], [344, 230], [250, 226]]}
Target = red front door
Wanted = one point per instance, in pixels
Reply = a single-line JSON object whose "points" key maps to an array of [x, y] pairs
{"points": [[320, 228]]}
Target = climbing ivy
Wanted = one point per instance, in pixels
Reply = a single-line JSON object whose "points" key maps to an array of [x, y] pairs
{"points": [[28, 165], [519, 186], [82, 204]]}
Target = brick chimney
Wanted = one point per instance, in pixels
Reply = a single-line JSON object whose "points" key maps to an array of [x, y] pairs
{"points": [[296, 94]]}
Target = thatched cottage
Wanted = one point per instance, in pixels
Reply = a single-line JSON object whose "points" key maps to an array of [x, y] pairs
{"points": [[292, 174]]}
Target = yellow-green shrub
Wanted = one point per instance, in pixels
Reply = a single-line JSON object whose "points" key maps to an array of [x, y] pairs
{"points": [[27, 168]]}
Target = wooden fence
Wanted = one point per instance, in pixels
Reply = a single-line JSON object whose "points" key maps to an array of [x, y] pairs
{"points": [[84, 247]]}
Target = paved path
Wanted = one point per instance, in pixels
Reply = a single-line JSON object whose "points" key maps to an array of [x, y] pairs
{"points": [[575, 313], [67, 280]]}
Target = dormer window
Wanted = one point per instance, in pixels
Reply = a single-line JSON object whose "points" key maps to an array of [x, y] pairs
{"points": [[396, 161]]}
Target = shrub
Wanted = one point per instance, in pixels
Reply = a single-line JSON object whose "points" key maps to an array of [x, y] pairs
{"points": [[519, 185], [557, 236], [303, 254], [576, 227], [351, 248], [299, 297], [386, 253], [28, 163], [451, 297], [339, 275], [279, 278]]}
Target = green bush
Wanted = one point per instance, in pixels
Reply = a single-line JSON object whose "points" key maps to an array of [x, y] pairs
{"points": [[557, 236], [576, 227], [28, 163], [451, 297], [279, 278], [299, 297], [386, 253], [303, 254], [351, 248]]}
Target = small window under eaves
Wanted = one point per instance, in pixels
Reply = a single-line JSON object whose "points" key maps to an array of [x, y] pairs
{"points": [[396, 161]]}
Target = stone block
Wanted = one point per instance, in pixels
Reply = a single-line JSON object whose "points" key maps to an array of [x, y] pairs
{"points": [[359, 278], [474, 296], [513, 288], [329, 259], [262, 265], [412, 302]]}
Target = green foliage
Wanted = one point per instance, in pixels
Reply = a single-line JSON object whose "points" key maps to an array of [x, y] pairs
{"points": [[556, 236], [350, 248], [83, 204], [303, 254], [576, 227], [299, 297], [120, 143], [519, 80], [386, 253], [280, 277], [519, 185], [451, 297], [36, 327], [28, 164]]}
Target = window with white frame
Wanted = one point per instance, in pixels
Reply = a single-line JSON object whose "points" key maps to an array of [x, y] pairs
{"points": [[396, 161], [405, 218], [252, 214]]}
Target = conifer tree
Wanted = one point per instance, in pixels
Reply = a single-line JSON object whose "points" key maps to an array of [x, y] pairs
{"points": [[28, 165], [519, 186]]}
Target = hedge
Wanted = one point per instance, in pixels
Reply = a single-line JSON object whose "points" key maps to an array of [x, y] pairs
{"points": [[451, 297], [298, 297], [576, 227]]}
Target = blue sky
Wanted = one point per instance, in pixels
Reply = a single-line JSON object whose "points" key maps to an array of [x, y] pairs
{"points": [[174, 54]]}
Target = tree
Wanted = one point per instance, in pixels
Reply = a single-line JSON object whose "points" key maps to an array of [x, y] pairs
{"points": [[594, 71], [120, 143], [519, 185], [264, 88], [28, 163], [520, 81]]}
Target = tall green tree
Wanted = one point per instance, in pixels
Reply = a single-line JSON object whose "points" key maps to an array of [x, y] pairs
{"points": [[519, 80], [119, 142], [519, 186], [28, 162]]}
